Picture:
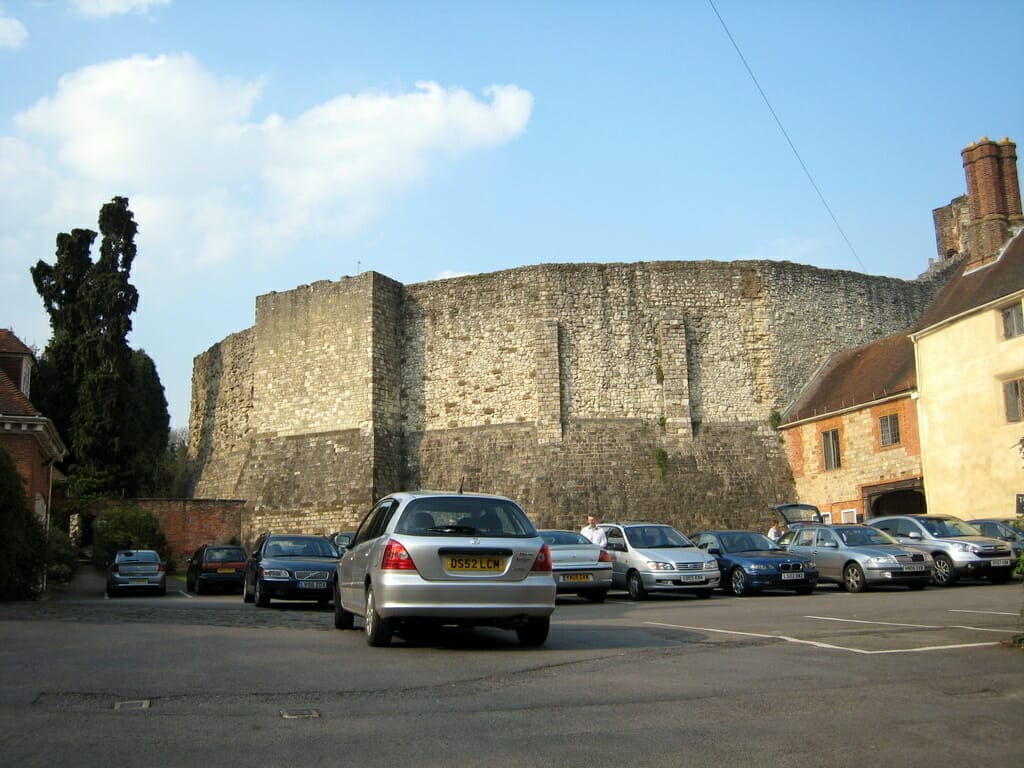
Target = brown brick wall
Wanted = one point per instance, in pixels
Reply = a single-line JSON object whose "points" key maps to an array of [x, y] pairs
{"points": [[24, 452]]}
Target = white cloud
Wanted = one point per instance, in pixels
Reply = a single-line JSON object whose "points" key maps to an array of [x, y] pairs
{"points": [[12, 32], [208, 181], [101, 8]]}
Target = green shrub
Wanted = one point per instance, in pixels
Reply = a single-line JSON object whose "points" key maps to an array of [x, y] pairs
{"points": [[61, 557], [126, 528]]}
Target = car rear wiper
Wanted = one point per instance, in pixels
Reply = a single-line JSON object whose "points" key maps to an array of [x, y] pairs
{"points": [[465, 529]]}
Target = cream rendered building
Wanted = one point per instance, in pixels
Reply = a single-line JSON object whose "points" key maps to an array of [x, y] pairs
{"points": [[970, 371]]}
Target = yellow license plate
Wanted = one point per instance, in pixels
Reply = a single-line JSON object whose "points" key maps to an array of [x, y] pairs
{"points": [[576, 577], [225, 570], [476, 564]]}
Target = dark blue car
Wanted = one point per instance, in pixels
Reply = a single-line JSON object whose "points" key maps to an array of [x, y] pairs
{"points": [[751, 562]]}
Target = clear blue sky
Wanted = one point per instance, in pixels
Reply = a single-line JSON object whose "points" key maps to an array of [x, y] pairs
{"points": [[264, 145]]}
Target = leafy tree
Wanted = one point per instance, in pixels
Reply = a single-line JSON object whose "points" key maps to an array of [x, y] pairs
{"points": [[173, 481], [105, 399], [22, 543], [126, 528]]}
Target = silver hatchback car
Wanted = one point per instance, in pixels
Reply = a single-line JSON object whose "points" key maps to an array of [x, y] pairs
{"points": [[652, 557], [421, 560]]}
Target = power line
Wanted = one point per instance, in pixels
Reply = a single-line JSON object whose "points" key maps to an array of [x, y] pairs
{"points": [[792, 146]]}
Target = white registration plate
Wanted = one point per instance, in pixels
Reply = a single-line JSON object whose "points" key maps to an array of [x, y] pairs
{"points": [[917, 567], [1001, 563], [138, 581], [691, 577], [312, 585], [793, 576]]}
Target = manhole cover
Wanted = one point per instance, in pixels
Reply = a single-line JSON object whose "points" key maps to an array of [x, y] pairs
{"points": [[298, 714], [137, 704]]}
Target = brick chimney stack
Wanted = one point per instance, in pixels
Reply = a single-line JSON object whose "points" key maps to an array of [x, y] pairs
{"points": [[993, 192]]}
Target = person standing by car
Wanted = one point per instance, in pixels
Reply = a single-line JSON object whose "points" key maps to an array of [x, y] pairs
{"points": [[775, 532], [593, 533]]}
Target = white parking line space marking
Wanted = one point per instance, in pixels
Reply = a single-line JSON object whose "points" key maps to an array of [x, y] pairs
{"points": [[825, 646], [987, 613], [186, 594], [914, 626]]}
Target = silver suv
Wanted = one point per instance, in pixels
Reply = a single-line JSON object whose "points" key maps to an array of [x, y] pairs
{"points": [[956, 546], [651, 557]]}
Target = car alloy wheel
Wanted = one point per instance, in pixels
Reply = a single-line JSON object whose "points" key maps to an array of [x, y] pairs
{"points": [[261, 596], [944, 574], [853, 578], [738, 582], [635, 585], [246, 594], [378, 630]]}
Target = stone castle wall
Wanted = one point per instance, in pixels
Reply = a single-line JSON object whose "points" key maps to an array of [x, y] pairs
{"points": [[642, 390]]}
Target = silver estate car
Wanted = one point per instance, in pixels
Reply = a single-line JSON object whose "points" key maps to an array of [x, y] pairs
{"points": [[859, 556], [959, 549], [652, 557], [421, 560]]}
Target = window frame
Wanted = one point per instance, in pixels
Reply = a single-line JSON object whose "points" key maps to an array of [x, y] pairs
{"points": [[1013, 400], [831, 454], [889, 430], [1013, 321]]}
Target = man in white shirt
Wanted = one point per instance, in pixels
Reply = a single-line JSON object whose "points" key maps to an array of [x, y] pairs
{"points": [[593, 533]]}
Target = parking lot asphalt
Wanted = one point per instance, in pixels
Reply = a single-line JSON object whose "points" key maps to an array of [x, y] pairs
{"points": [[830, 679]]}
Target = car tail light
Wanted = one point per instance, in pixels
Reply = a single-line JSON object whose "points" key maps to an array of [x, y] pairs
{"points": [[396, 558], [161, 568], [543, 561], [114, 567], [604, 557]]}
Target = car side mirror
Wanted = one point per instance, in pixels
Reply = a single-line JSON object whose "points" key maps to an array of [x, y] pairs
{"points": [[831, 545], [615, 546], [914, 535], [714, 551]]}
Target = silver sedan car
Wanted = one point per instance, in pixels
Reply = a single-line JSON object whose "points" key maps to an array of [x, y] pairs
{"points": [[580, 567], [859, 556], [421, 560]]}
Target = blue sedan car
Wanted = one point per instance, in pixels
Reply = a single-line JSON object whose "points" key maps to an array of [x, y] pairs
{"points": [[751, 562]]}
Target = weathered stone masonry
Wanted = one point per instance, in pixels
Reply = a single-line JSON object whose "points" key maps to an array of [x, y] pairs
{"points": [[640, 390]]}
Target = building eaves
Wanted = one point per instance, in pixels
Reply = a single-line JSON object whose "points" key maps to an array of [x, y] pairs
{"points": [[856, 377], [971, 290]]}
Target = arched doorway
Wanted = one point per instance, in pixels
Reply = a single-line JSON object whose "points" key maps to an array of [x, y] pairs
{"points": [[903, 498]]}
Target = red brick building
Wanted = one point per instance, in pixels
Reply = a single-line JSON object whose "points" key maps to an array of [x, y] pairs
{"points": [[27, 435]]}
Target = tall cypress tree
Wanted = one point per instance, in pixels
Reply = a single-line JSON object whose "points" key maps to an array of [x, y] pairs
{"points": [[105, 399]]}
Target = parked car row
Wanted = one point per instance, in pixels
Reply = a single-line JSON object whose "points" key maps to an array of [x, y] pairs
{"points": [[420, 561]]}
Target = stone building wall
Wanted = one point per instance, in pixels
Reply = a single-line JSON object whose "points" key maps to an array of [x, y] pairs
{"points": [[865, 462], [641, 390]]}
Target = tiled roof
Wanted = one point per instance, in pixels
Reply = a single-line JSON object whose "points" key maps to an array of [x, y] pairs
{"points": [[979, 287], [11, 344], [856, 377], [12, 401]]}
